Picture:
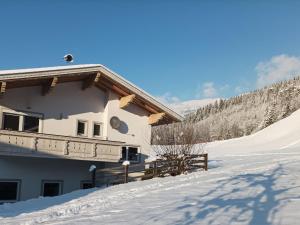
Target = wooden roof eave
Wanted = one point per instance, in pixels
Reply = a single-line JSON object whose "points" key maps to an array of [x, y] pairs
{"points": [[109, 80]]}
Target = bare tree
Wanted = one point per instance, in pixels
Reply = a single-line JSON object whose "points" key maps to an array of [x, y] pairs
{"points": [[176, 143]]}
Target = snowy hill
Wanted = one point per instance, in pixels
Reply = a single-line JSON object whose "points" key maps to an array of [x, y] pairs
{"points": [[248, 113], [191, 106], [251, 180]]}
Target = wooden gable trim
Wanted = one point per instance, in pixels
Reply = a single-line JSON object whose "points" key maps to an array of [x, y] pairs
{"points": [[155, 118], [126, 100], [48, 87], [90, 81], [3, 87]]}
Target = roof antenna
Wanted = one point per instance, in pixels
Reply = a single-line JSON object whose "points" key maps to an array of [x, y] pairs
{"points": [[68, 58]]}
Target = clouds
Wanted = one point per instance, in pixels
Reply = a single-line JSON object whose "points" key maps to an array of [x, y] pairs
{"points": [[168, 98], [278, 68], [209, 90]]}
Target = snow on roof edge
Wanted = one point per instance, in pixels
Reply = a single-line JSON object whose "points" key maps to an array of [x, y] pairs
{"points": [[43, 69]]}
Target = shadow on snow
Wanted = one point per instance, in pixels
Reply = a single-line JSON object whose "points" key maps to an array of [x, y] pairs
{"points": [[254, 200]]}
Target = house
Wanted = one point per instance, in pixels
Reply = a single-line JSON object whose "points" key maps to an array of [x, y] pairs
{"points": [[56, 122]]}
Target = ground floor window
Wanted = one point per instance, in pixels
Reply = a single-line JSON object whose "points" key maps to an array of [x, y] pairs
{"points": [[51, 188], [86, 184], [130, 153], [9, 190]]}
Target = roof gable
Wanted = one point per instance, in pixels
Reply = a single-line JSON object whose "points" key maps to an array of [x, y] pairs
{"points": [[96, 74]]}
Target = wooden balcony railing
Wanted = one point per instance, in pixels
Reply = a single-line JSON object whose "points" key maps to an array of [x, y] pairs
{"points": [[55, 146]]}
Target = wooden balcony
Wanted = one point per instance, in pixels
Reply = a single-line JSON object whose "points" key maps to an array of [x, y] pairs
{"points": [[15, 143]]}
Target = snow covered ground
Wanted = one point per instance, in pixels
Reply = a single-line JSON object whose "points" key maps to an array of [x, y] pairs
{"points": [[251, 180]]}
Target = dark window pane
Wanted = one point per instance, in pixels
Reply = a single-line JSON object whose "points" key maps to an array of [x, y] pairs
{"points": [[31, 124], [132, 154], [96, 129], [123, 153], [87, 185], [8, 191], [11, 122], [51, 189], [81, 128]]}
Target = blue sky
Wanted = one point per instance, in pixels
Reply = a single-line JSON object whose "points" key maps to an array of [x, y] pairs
{"points": [[176, 50]]}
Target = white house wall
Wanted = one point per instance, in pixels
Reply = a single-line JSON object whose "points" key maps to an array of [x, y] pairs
{"points": [[32, 171], [134, 128], [67, 103]]}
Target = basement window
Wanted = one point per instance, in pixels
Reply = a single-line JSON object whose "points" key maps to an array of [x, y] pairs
{"points": [[51, 188], [11, 122], [86, 185], [9, 190], [81, 128], [130, 154], [31, 124]]}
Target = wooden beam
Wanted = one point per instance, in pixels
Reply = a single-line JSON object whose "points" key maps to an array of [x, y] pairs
{"points": [[90, 81], [125, 101], [155, 118], [47, 88], [3, 87], [150, 109], [119, 90]]}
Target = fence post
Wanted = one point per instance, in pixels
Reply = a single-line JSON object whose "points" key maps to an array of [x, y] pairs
{"points": [[93, 172], [155, 169], [126, 166], [205, 162]]}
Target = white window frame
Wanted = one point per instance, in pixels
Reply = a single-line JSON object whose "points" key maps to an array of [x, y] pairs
{"points": [[85, 128], [127, 149], [60, 182], [13, 114], [21, 118], [18, 181], [31, 115], [101, 129]]}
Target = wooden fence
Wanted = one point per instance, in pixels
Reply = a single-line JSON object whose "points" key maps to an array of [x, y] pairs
{"points": [[149, 170]]}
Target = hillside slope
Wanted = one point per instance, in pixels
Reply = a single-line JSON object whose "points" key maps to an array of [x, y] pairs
{"points": [[279, 136], [248, 113], [251, 180]]}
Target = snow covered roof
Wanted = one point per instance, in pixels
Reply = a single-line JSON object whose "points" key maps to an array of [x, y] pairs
{"points": [[38, 73]]}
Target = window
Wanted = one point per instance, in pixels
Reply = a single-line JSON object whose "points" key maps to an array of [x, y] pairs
{"points": [[9, 190], [51, 188], [31, 124], [17, 122], [82, 128], [11, 122], [97, 130], [86, 184], [130, 154]]}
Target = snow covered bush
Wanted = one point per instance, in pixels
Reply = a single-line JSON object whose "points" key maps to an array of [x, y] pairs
{"points": [[175, 143]]}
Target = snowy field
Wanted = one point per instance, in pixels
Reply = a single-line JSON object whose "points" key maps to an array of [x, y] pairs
{"points": [[251, 180]]}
